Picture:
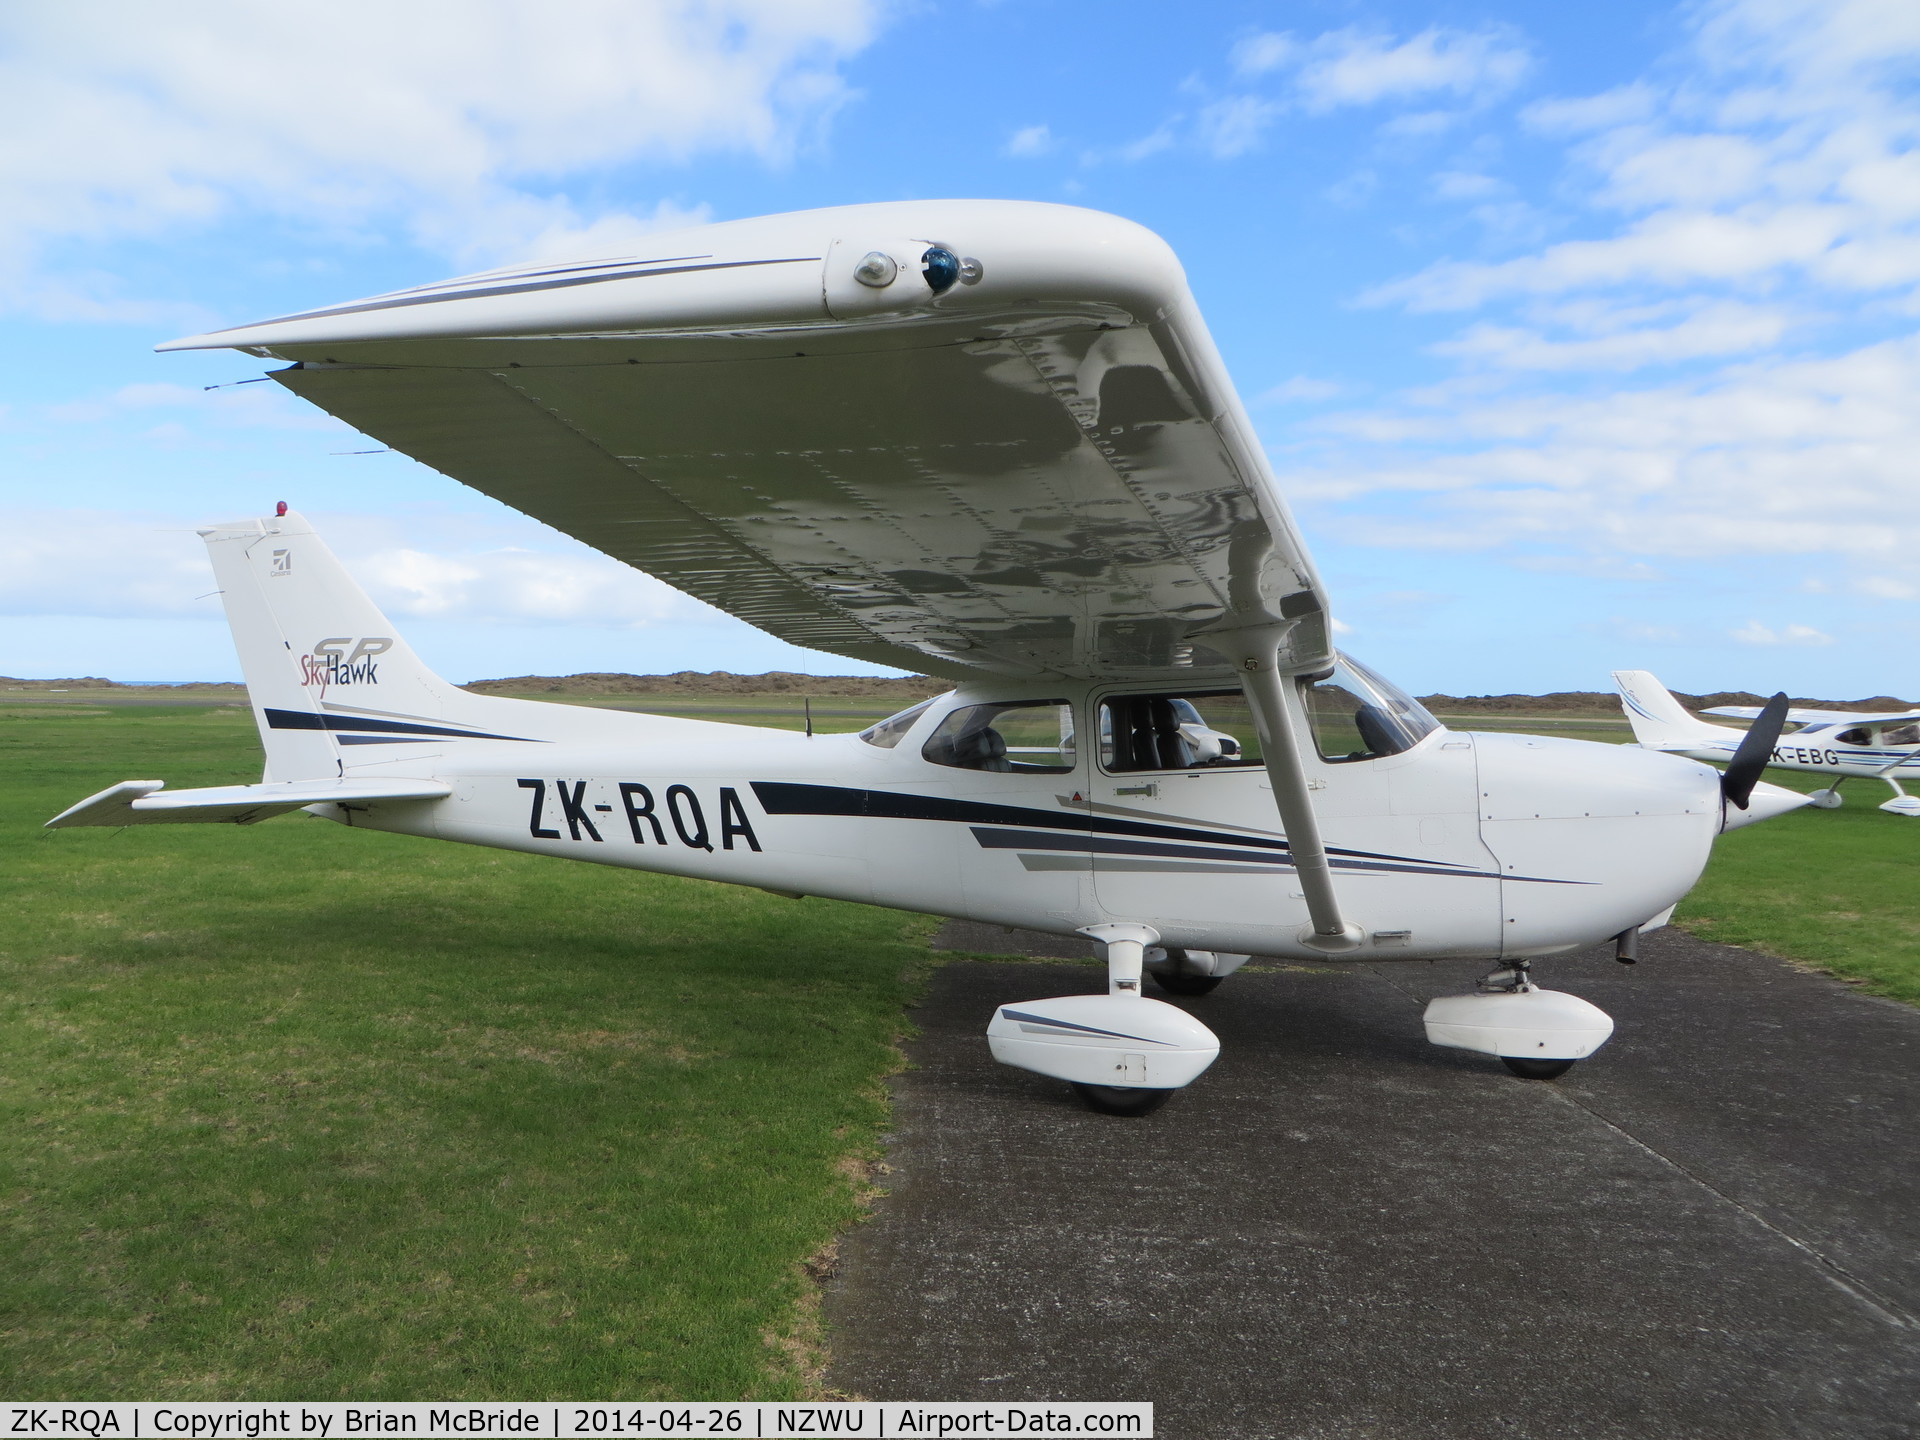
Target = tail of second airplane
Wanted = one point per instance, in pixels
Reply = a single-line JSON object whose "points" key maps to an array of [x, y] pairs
{"points": [[1659, 721], [334, 687]]}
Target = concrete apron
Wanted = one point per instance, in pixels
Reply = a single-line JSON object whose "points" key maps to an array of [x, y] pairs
{"points": [[1711, 1229]]}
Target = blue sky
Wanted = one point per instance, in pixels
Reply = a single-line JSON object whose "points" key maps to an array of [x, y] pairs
{"points": [[1581, 336]]}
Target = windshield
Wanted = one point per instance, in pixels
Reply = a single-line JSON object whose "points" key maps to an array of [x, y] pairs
{"points": [[1358, 715], [888, 732]]}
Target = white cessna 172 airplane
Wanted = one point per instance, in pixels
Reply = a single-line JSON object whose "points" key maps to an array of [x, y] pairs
{"points": [[1840, 743], [988, 440]]}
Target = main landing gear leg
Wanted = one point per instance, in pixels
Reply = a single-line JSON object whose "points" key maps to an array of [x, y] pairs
{"points": [[1126, 947], [1537, 1034]]}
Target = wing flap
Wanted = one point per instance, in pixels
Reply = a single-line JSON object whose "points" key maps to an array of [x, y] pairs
{"points": [[142, 802]]}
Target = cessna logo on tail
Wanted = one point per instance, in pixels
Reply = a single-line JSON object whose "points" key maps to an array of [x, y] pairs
{"points": [[331, 663]]}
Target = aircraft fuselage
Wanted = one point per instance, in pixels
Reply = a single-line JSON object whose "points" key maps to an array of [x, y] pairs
{"points": [[1481, 845]]}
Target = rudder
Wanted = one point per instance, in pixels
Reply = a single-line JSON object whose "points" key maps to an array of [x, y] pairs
{"points": [[1659, 721], [313, 647]]}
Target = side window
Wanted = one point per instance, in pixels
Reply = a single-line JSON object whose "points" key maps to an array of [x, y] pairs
{"points": [[1858, 735], [1030, 736], [1356, 715], [1900, 735], [1200, 731], [888, 732]]}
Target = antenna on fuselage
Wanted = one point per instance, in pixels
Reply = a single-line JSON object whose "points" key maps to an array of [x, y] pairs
{"points": [[807, 702]]}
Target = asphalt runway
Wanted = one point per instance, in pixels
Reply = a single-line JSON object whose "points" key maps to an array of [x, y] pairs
{"points": [[1711, 1229]]}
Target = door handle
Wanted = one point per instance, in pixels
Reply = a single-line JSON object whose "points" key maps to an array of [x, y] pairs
{"points": [[1149, 789]]}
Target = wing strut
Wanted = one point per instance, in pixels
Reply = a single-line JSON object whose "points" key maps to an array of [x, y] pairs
{"points": [[1256, 651]]}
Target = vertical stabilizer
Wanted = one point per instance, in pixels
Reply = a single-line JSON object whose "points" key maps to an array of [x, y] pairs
{"points": [[325, 670], [1659, 721]]}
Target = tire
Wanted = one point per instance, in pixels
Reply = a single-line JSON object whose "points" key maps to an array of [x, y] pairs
{"points": [[1536, 1069], [1121, 1099], [1177, 982]]}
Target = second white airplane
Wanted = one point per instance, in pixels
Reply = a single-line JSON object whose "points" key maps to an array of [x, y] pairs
{"points": [[1840, 743]]}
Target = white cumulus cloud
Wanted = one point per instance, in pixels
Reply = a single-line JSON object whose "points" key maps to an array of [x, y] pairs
{"points": [[1725, 328], [1782, 151], [1754, 633], [454, 118], [1030, 140], [1751, 213], [1356, 67], [507, 571]]}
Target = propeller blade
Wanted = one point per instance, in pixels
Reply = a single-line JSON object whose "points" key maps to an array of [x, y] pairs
{"points": [[1743, 771]]}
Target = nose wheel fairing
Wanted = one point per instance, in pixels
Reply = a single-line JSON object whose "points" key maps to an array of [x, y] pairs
{"points": [[1529, 1024]]}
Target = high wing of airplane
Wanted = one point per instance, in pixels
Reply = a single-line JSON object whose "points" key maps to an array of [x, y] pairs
{"points": [[995, 442], [1797, 716], [1841, 743], [1021, 457]]}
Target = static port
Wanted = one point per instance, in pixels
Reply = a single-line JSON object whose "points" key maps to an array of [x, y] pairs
{"points": [[941, 267]]}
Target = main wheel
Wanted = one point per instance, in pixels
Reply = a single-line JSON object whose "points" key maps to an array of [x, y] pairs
{"points": [[1178, 982], [1121, 1099], [1536, 1069]]}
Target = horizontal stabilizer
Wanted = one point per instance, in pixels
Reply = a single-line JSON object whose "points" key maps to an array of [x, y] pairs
{"points": [[148, 802]]}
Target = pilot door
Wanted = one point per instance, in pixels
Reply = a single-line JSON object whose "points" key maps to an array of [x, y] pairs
{"points": [[1203, 855], [1185, 834], [1015, 776]]}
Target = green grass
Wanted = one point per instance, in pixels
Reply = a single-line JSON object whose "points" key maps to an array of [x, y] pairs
{"points": [[1839, 889], [292, 1110], [296, 1111]]}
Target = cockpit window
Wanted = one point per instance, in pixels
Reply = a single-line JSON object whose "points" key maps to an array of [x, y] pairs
{"points": [[1029, 736], [1356, 715], [1900, 735], [1858, 735], [1203, 731], [888, 732]]}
